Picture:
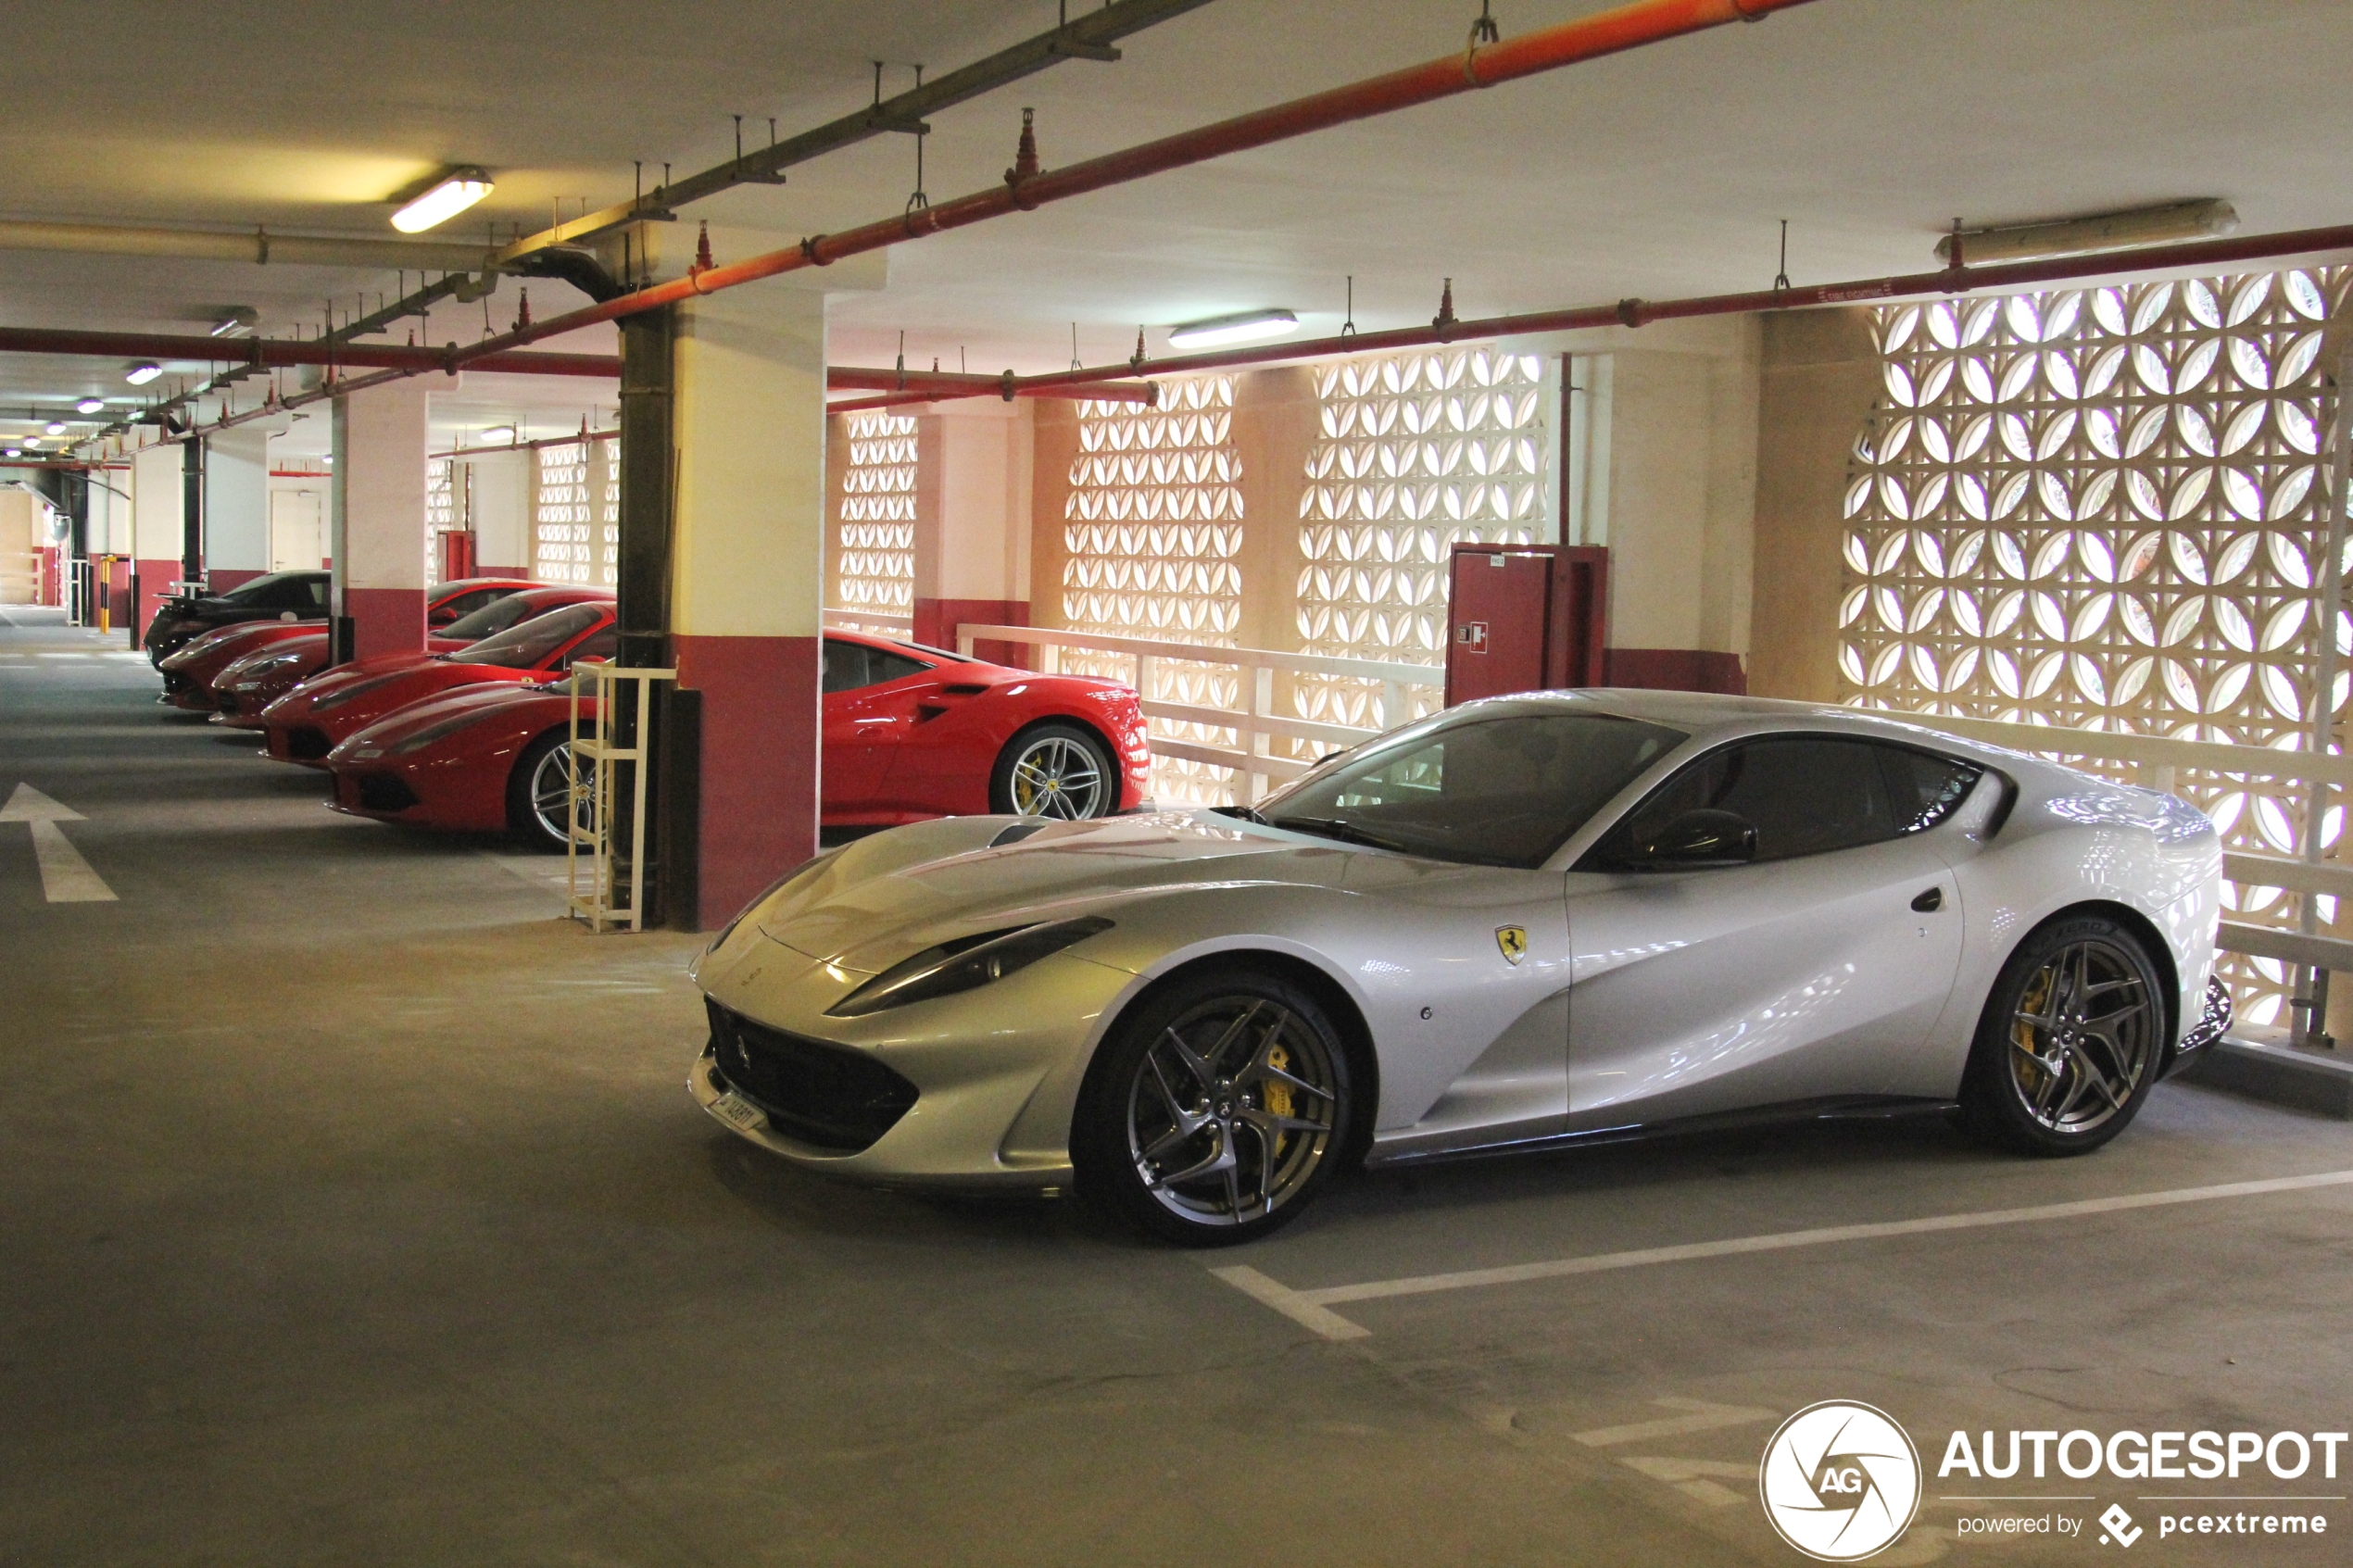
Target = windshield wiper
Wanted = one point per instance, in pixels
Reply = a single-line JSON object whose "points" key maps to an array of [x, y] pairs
{"points": [[1246, 813], [1335, 827]]}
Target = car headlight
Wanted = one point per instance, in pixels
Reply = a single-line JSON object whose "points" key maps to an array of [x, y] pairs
{"points": [[964, 964], [439, 728], [333, 700]]}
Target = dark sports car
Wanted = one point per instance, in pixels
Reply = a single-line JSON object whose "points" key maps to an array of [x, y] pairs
{"points": [[188, 675], [305, 723], [242, 691], [910, 732], [302, 594]]}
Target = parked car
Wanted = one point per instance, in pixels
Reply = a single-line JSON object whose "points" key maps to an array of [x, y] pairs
{"points": [[305, 723], [1528, 921], [245, 690], [296, 595], [970, 737], [452, 610]]}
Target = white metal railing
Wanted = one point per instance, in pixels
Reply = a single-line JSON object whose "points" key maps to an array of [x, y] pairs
{"points": [[1255, 723], [867, 620], [589, 879]]}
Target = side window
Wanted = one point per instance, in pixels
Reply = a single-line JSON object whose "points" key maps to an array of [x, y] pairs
{"points": [[844, 666], [464, 604], [1926, 788], [603, 644], [1805, 795], [881, 667], [315, 594]]}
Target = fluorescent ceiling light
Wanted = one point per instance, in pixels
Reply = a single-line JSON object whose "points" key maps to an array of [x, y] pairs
{"points": [[2104, 231], [90, 405], [455, 191], [1250, 326], [141, 374], [56, 427], [503, 434], [236, 321]]}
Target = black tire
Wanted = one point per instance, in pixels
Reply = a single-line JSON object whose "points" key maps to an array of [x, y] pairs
{"points": [[2070, 1043], [1234, 1075], [1054, 770], [526, 813]]}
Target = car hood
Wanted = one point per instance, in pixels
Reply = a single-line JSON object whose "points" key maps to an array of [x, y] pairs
{"points": [[882, 899], [415, 716]]}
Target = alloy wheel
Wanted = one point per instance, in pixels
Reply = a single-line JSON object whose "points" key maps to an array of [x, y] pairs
{"points": [[1056, 776], [2082, 1037], [560, 815], [1231, 1111]]}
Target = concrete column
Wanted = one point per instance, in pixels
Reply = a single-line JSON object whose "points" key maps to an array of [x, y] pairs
{"points": [[237, 506], [502, 514], [749, 428], [1681, 487], [1276, 419], [1820, 380], [379, 518], [972, 479], [1054, 447], [158, 501]]}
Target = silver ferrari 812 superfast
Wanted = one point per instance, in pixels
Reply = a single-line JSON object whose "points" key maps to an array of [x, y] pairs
{"points": [[1520, 923]]}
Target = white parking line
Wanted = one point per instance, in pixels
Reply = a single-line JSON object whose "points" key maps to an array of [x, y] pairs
{"points": [[1312, 1309]]}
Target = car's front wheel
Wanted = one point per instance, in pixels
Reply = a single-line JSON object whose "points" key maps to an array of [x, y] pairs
{"points": [[1216, 1109], [2068, 1045], [1054, 770], [541, 807]]}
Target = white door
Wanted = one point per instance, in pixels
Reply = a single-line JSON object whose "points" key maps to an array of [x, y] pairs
{"points": [[294, 543], [1815, 973]]}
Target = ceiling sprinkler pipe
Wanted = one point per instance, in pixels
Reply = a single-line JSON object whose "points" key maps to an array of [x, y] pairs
{"points": [[1588, 38]]}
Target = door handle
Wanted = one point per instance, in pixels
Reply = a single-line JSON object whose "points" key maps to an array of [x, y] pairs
{"points": [[1929, 902]]}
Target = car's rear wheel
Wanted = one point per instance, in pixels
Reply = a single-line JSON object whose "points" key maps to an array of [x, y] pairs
{"points": [[2068, 1046], [1216, 1109], [1054, 770], [540, 803]]}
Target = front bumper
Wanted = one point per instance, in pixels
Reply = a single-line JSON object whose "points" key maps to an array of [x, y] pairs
{"points": [[994, 1073]]}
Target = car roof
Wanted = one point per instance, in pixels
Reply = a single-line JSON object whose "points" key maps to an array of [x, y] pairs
{"points": [[470, 584], [900, 645], [1710, 716]]}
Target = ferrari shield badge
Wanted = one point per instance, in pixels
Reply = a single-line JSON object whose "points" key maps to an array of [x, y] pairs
{"points": [[1513, 940]]}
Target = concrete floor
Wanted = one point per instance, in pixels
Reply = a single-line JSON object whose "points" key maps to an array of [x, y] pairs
{"points": [[352, 1212]]}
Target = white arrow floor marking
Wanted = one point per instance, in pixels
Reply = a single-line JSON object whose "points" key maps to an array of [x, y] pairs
{"points": [[66, 877]]}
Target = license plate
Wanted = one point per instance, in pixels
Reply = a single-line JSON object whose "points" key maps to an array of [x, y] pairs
{"points": [[739, 1112]]}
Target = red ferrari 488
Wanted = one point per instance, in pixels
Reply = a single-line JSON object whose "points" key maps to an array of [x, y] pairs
{"points": [[305, 723], [908, 731]]}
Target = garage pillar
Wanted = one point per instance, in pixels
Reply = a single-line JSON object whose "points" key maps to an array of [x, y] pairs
{"points": [[748, 425], [973, 467], [158, 505], [379, 518], [237, 506]]}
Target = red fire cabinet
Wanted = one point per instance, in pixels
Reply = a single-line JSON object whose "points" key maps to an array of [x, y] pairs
{"points": [[457, 554], [1525, 618]]}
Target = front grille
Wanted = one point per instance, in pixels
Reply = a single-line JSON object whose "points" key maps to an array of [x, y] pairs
{"points": [[176, 681], [228, 702], [385, 792], [307, 745], [813, 1092]]}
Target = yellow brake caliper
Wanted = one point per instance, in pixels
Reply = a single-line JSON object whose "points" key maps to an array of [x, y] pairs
{"points": [[2023, 1032], [1278, 1092]]}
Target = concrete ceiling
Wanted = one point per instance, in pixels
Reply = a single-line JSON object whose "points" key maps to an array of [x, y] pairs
{"points": [[1869, 124]]}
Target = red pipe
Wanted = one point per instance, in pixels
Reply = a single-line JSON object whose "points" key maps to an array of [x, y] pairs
{"points": [[1025, 188], [290, 351], [1641, 312], [932, 386]]}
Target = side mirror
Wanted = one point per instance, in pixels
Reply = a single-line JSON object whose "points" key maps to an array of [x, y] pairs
{"points": [[1696, 841]]}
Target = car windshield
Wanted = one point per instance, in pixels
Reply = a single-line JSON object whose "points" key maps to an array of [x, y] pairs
{"points": [[261, 590], [1499, 785], [491, 619], [521, 646]]}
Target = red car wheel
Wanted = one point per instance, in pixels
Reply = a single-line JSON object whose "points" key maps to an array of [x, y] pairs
{"points": [[539, 792], [1054, 770]]}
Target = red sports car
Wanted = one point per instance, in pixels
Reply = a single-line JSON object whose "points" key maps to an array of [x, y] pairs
{"points": [[188, 675], [244, 689], [305, 723], [910, 731]]}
